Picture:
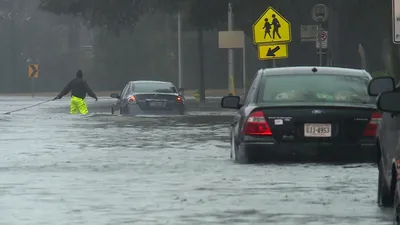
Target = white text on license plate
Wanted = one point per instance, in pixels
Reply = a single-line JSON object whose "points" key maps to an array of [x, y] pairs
{"points": [[156, 104], [317, 130]]}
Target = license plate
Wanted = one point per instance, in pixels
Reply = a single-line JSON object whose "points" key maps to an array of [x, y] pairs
{"points": [[157, 104], [317, 130]]}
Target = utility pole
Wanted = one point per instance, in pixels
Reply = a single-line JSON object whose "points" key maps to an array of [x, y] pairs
{"points": [[231, 65], [200, 45], [180, 77], [15, 40], [200, 36]]}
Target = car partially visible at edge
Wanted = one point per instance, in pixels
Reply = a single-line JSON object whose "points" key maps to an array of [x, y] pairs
{"points": [[388, 143]]}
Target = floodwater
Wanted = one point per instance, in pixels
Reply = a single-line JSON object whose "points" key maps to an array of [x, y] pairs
{"points": [[58, 169]]}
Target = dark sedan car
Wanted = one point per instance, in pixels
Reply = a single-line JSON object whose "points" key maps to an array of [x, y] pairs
{"points": [[149, 98], [305, 113]]}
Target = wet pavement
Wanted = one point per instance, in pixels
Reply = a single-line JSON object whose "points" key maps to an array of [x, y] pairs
{"points": [[100, 169]]}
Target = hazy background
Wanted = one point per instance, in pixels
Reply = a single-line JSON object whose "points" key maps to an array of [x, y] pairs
{"points": [[62, 44]]}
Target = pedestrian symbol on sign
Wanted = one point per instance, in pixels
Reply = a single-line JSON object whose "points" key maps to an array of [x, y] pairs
{"points": [[267, 27], [277, 25]]}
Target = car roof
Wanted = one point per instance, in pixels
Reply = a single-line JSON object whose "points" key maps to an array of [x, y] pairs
{"points": [[149, 81], [296, 70]]}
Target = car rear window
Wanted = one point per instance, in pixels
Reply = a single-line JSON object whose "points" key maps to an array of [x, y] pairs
{"points": [[153, 87], [314, 88]]}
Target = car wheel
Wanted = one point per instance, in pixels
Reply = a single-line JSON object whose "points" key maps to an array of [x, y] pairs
{"points": [[396, 205], [234, 151], [242, 155], [385, 198], [396, 217], [233, 147]]}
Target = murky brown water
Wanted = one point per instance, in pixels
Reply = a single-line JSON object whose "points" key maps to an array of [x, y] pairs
{"points": [[100, 169]]}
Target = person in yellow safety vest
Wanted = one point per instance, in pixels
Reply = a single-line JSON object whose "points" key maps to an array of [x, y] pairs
{"points": [[78, 88]]}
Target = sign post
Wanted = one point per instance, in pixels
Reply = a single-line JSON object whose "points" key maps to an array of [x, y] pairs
{"points": [[320, 14], [231, 62], [319, 44], [271, 33], [33, 73], [322, 43], [232, 40]]}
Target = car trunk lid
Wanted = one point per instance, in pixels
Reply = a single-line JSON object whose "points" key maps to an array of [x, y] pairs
{"points": [[155, 101], [345, 124]]}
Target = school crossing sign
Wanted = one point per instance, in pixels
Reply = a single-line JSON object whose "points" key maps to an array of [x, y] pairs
{"points": [[269, 31], [271, 27]]}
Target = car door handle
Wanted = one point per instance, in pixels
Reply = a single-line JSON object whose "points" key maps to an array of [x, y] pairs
{"points": [[394, 114]]}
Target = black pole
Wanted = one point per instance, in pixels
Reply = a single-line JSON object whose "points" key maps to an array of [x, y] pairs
{"points": [[202, 91], [14, 43]]}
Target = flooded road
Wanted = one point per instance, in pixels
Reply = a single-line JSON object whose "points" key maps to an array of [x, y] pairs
{"points": [[99, 169]]}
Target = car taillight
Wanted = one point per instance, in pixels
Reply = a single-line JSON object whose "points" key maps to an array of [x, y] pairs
{"points": [[257, 125], [370, 130], [132, 99], [179, 99]]}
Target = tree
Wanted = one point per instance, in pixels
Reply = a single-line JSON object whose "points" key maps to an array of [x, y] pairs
{"points": [[125, 13], [208, 14]]}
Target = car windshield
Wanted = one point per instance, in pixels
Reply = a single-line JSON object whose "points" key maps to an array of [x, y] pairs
{"points": [[314, 88], [154, 87]]}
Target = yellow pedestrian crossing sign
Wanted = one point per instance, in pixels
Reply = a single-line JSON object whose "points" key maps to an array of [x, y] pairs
{"points": [[271, 27]]}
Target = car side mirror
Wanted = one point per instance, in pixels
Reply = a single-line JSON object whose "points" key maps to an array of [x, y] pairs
{"points": [[379, 85], [231, 102], [388, 102], [115, 95]]}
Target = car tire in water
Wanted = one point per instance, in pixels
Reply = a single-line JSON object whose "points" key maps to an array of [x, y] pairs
{"points": [[233, 147], [239, 153], [385, 198], [234, 150], [242, 155], [123, 110], [396, 217], [396, 211]]}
